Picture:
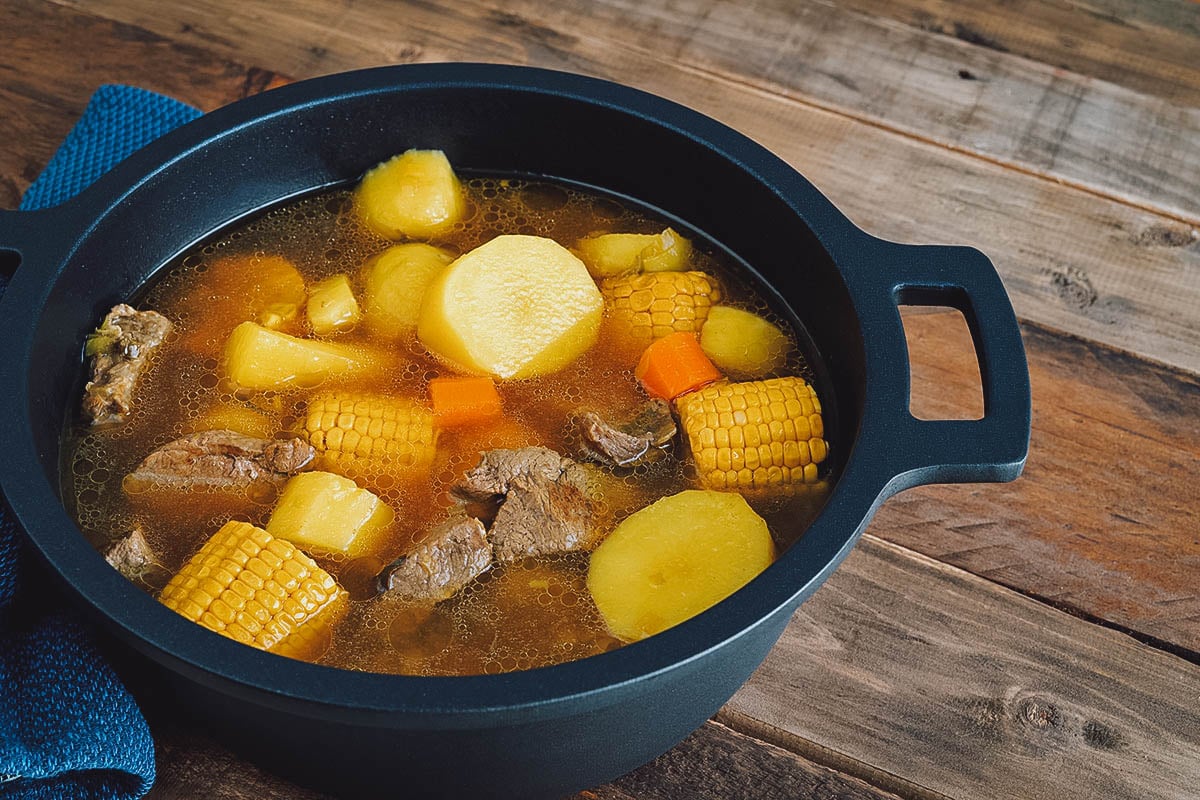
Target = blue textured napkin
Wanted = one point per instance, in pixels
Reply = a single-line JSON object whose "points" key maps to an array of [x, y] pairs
{"points": [[68, 729]]}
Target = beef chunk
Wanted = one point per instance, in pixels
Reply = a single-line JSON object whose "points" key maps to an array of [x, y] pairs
{"points": [[120, 349], [132, 556], [544, 503], [221, 459], [639, 441], [456, 552]]}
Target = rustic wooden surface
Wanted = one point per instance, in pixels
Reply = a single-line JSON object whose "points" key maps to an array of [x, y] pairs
{"points": [[1028, 640]]}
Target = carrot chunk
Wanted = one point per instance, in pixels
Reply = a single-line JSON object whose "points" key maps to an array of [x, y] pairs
{"points": [[463, 401], [674, 365]]}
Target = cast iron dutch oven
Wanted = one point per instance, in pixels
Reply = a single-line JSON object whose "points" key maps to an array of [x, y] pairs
{"points": [[546, 731]]}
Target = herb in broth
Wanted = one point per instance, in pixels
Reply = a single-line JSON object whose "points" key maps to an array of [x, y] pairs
{"points": [[467, 425]]}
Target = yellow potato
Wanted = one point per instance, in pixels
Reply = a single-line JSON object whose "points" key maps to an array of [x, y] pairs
{"points": [[239, 419], [258, 358], [674, 559], [331, 306], [515, 307], [743, 345], [415, 194], [611, 254], [395, 281], [327, 514], [670, 252]]}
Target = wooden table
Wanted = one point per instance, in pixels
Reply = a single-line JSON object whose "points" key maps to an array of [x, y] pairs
{"points": [[1039, 639]]}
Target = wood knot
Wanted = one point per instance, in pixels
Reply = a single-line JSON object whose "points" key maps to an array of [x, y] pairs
{"points": [[1101, 737], [1073, 288], [1039, 715], [1166, 236]]}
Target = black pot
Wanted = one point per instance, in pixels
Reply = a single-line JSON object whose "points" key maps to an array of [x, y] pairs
{"points": [[543, 731]]}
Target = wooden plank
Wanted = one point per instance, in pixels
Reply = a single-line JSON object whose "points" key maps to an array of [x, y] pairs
{"points": [[939, 678], [1150, 47], [1071, 260], [1121, 559], [713, 763], [1141, 149], [43, 100], [1105, 518]]}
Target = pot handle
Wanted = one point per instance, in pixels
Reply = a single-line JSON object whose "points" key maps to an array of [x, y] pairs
{"points": [[31, 237], [991, 449]]}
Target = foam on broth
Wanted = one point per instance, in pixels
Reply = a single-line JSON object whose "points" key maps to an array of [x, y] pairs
{"points": [[530, 614]]}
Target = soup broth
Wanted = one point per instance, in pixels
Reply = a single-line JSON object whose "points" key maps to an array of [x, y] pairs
{"points": [[529, 613]]}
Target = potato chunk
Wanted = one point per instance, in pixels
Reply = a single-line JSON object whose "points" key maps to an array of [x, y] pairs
{"points": [[415, 194], [395, 282], [515, 307], [257, 358], [331, 306], [742, 344], [610, 254], [676, 558], [327, 514]]}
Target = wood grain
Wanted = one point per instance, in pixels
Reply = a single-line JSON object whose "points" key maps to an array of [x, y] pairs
{"points": [[920, 671], [1105, 518], [714, 763], [1150, 47], [1071, 127], [42, 100], [1071, 260]]}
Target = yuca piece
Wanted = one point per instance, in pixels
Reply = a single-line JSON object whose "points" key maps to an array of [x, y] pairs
{"points": [[676, 558], [258, 358], [611, 254], [413, 194], [515, 307], [332, 307], [328, 514]]}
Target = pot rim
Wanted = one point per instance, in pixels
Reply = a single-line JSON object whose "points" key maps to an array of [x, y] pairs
{"points": [[465, 701]]}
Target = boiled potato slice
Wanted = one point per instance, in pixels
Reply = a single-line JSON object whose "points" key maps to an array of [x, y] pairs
{"points": [[743, 345], [676, 558], [327, 514], [258, 358], [611, 254], [395, 281], [331, 306], [514, 307], [415, 194]]}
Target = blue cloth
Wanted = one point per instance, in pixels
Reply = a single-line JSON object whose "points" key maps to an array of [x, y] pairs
{"points": [[68, 729]]}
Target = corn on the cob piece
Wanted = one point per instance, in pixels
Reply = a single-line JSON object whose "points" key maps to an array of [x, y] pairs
{"points": [[258, 590], [368, 435], [759, 436], [651, 305]]}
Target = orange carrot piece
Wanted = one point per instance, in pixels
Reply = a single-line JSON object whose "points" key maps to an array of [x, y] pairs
{"points": [[463, 401], [674, 365]]}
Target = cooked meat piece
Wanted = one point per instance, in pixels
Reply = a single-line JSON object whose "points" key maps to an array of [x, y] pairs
{"points": [[639, 441], [221, 459], [130, 555], [120, 348], [456, 552], [544, 508]]}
